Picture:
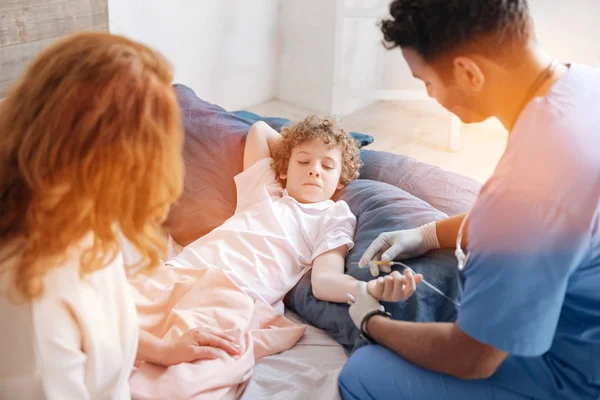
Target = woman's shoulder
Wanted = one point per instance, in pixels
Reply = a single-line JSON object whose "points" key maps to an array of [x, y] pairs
{"points": [[64, 278], [68, 277]]}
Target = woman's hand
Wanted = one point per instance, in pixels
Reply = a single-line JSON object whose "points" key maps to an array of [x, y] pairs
{"points": [[195, 344], [394, 287], [198, 344]]}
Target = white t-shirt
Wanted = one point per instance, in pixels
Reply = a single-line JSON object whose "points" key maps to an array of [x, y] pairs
{"points": [[272, 239], [77, 341]]}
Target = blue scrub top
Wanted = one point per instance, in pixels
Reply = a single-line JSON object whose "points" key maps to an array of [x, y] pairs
{"points": [[532, 282]]}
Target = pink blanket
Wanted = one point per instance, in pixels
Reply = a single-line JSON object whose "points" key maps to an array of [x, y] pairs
{"points": [[174, 300]]}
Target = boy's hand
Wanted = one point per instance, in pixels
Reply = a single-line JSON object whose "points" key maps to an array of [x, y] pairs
{"points": [[395, 286]]}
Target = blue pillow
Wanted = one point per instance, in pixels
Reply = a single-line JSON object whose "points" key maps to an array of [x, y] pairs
{"points": [[381, 207], [277, 123]]}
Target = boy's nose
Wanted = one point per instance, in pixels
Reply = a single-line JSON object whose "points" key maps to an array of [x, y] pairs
{"points": [[313, 173]]}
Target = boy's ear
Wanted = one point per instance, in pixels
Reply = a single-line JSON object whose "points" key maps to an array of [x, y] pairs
{"points": [[282, 176], [340, 186]]}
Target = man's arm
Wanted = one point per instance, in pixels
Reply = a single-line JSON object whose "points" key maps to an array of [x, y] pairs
{"points": [[447, 231], [436, 346], [261, 142], [329, 283], [409, 243]]}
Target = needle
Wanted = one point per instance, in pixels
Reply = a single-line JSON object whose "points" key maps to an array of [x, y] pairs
{"points": [[429, 285]]}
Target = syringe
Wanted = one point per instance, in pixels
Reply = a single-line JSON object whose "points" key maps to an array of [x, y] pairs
{"points": [[429, 285]]}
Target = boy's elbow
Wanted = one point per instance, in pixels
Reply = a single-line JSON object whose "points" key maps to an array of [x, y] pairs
{"points": [[318, 290], [257, 127]]}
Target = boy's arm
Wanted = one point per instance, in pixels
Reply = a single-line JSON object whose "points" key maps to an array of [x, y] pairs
{"points": [[261, 142], [329, 282]]}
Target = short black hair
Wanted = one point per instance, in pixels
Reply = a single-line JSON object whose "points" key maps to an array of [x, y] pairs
{"points": [[435, 28]]}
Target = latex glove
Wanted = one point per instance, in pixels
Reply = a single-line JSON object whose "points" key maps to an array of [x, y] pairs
{"points": [[363, 304], [395, 286], [400, 244], [197, 344]]}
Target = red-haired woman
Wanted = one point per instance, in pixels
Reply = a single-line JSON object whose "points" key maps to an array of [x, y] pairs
{"points": [[90, 148]]}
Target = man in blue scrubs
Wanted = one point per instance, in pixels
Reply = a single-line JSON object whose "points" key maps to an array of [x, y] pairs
{"points": [[529, 322]]}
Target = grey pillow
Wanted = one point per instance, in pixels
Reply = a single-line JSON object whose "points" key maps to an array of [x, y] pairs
{"points": [[447, 191], [213, 155], [381, 207]]}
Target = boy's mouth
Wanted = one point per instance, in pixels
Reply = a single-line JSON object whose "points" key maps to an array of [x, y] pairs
{"points": [[312, 184]]}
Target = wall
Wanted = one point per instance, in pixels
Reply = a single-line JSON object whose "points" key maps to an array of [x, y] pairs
{"points": [[307, 53], [569, 29], [361, 68], [323, 55], [226, 50], [330, 55], [28, 26]]}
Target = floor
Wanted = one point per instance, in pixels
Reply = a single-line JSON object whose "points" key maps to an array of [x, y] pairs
{"points": [[418, 129]]}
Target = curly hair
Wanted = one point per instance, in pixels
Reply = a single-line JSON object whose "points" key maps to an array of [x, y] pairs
{"points": [[330, 132], [435, 28], [90, 143]]}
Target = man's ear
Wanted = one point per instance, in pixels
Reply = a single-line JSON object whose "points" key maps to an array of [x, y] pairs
{"points": [[468, 74]]}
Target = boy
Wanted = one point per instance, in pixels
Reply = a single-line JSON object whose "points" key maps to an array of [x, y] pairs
{"points": [[285, 221]]}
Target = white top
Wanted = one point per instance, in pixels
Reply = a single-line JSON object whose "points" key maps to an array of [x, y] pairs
{"points": [[272, 239], [77, 341]]}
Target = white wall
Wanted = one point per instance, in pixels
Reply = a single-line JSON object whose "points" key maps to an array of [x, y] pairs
{"points": [[330, 55], [324, 55], [307, 53], [569, 29], [360, 69], [226, 50]]}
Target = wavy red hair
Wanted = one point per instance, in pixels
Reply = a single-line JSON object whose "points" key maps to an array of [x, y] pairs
{"points": [[90, 143]]}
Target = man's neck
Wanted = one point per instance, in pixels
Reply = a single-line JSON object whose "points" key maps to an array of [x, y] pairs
{"points": [[514, 85]]}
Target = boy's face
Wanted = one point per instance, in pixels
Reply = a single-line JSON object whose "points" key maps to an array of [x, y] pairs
{"points": [[314, 171]]}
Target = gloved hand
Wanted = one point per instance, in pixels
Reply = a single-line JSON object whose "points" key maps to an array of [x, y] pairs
{"points": [[400, 244], [363, 304]]}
